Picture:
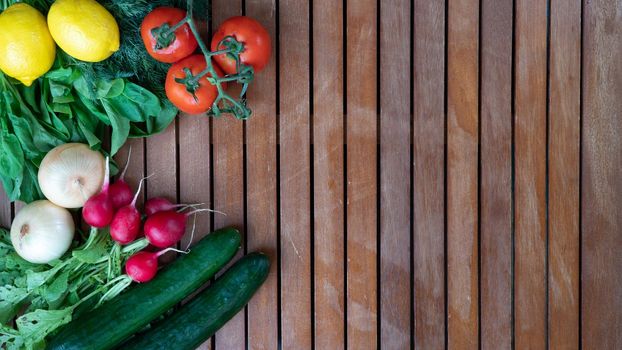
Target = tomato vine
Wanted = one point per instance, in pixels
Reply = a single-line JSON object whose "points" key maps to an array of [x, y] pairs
{"points": [[224, 102]]}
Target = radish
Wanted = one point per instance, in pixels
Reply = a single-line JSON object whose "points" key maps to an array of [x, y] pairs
{"points": [[165, 228], [143, 266], [158, 204], [120, 192], [125, 224], [98, 210]]}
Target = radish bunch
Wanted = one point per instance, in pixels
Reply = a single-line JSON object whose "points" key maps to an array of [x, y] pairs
{"points": [[164, 222]]}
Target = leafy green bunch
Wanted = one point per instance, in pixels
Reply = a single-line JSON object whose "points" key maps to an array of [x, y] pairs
{"points": [[51, 295]]}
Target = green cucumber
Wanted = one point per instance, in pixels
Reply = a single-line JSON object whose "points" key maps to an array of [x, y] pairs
{"points": [[198, 320], [107, 326]]}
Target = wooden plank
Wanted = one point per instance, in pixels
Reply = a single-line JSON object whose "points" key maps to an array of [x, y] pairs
{"points": [[429, 173], [194, 177], [530, 172], [496, 176], [328, 168], [361, 140], [601, 182], [228, 143], [194, 172], [136, 168], [564, 130], [395, 232], [295, 176], [462, 173], [5, 209], [262, 191], [160, 151]]}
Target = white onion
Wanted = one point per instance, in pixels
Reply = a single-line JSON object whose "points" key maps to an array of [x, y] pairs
{"points": [[42, 231], [70, 174]]}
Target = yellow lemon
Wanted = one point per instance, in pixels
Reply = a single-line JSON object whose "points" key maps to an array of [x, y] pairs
{"points": [[84, 29], [27, 50]]}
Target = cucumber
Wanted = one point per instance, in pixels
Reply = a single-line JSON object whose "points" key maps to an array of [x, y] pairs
{"points": [[198, 320], [113, 322]]}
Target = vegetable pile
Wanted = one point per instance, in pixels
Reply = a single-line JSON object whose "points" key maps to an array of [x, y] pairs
{"points": [[78, 74], [77, 101], [53, 286]]}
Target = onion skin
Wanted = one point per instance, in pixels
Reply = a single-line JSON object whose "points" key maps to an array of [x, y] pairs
{"points": [[42, 231], [70, 174]]}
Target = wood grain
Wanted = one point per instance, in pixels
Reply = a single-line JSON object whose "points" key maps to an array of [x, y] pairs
{"points": [[361, 199], [5, 209], [429, 174], [328, 168], [295, 176], [530, 172], [462, 174], [601, 181], [161, 158], [136, 166], [564, 130], [262, 187], [395, 232], [496, 174], [228, 143]]}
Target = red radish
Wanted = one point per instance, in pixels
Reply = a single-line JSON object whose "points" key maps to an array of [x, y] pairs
{"points": [[143, 266], [98, 210], [165, 228], [158, 204], [125, 224], [120, 191]]}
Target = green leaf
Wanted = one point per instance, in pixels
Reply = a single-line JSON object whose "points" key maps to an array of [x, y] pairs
{"points": [[112, 88], [12, 156], [127, 108], [56, 291], [23, 131], [34, 326], [120, 127], [61, 75], [10, 300], [144, 98], [90, 255]]}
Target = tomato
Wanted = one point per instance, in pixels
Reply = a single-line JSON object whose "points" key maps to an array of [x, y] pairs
{"points": [[256, 40], [178, 94], [173, 47]]}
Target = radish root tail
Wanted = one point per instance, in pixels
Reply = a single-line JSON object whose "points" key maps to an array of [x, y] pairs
{"points": [[140, 186], [127, 163]]}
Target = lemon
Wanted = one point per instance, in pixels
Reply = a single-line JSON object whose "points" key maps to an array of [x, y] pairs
{"points": [[84, 29], [27, 50]]}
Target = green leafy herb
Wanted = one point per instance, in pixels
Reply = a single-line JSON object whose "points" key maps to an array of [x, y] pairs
{"points": [[86, 277]]}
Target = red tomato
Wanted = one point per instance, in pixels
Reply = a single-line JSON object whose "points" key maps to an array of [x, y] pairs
{"points": [[256, 40], [177, 45], [205, 92]]}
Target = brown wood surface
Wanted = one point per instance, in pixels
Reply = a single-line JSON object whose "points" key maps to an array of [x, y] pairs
{"points": [[5, 209], [361, 201], [295, 176], [429, 174], [328, 174], [601, 204], [564, 129], [422, 174], [261, 194], [496, 174], [530, 169], [462, 174], [395, 232], [228, 153]]}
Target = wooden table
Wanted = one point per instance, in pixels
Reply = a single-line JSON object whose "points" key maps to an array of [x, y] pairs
{"points": [[421, 173]]}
